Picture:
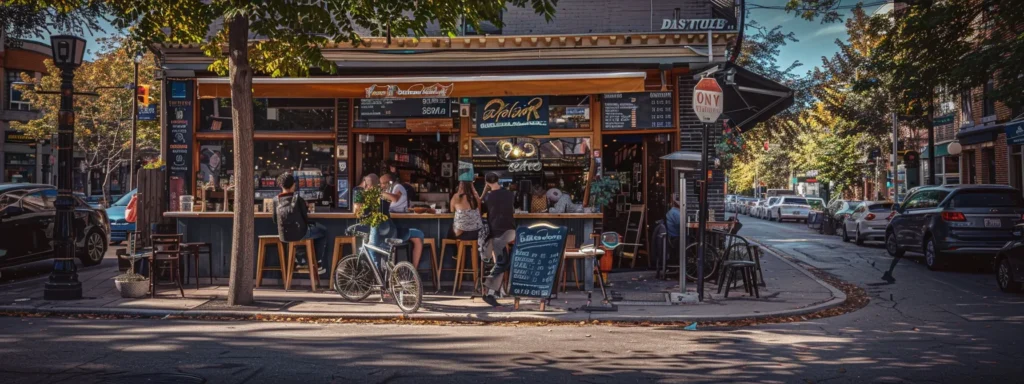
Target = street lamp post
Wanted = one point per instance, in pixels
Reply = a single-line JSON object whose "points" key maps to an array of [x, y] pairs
{"points": [[135, 123], [63, 283]]}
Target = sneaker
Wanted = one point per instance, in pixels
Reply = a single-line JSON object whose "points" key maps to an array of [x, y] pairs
{"points": [[888, 277], [322, 271], [489, 299]]}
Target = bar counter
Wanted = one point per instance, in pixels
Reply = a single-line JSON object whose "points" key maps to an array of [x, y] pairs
{"points": [[215, 228]]}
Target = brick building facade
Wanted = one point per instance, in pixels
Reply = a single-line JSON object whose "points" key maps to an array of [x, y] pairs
{"points": [[21, 158]]}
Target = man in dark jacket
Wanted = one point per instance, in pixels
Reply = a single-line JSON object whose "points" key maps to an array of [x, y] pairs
{"points": [[291, 217], [498, 205]]}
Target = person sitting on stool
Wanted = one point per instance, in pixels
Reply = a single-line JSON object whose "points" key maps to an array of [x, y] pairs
{"points": [[292, 219]]}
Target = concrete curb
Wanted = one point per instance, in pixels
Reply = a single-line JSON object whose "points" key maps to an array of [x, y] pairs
{"points": [[838, 298]]}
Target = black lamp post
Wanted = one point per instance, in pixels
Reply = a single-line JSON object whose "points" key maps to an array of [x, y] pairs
{"points": [[63, 283]]}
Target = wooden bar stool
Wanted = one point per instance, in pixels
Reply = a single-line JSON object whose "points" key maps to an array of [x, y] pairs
{"points": [[435, 276], [166, 252], [311, 266], [570, 245], [194, 250], [460, 263], [339, 244], [444, 251], [267, 241]]}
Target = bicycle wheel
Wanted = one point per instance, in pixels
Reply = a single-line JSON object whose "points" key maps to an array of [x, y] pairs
{"points": [[711, 257], [353, 278], [405, 286]]}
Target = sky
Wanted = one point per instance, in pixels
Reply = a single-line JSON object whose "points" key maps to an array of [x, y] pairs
{"points": [[815, 39]]}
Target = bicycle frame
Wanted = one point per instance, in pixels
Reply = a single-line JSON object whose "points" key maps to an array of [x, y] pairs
{"points": [[367, 249]]}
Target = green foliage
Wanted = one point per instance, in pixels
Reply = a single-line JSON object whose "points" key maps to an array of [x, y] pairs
{"points": [[154, 165], [33, 19], [370, 213], [603, 191]]}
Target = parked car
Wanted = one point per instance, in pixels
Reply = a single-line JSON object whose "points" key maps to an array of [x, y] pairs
{"points": [[730, 203], [955, 220], [867, 222], [119, 227], [789, 208], [766, 207], [1009, 263], [839, 210], [780, 192], [27, 219]]}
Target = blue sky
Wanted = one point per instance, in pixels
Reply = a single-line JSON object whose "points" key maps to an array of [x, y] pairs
{"points": [[816, 39]]}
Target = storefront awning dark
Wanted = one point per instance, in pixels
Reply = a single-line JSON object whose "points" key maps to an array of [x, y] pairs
{"points": [[979, 133], [751, 98]]}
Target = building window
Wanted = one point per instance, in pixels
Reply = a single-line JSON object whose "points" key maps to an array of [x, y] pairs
{"points": [[966, 114], [988, 158], [988, 107], [14, 101]]}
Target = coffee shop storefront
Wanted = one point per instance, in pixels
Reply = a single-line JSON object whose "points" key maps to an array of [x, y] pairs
{"points": [[434, 111]]}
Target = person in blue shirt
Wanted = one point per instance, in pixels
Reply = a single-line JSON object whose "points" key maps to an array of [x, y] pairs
{"points": [[673, 217]]}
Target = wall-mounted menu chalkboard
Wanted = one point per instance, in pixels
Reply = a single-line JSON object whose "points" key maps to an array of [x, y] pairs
{"points": [[535, 260], [641, 110], [401, 108]]}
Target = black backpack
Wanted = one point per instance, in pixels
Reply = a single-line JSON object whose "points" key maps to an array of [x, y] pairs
{"points": [[290, 225]]}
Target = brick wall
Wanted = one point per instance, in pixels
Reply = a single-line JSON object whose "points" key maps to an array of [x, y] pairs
{"points": [[690, 136]]}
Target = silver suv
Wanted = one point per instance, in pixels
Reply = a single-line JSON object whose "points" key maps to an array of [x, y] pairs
{"points": [[943, 221]]}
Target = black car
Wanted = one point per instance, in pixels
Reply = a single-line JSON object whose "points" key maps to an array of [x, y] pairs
{"points": [[1009, 263], [949, 221], [27, 219]]}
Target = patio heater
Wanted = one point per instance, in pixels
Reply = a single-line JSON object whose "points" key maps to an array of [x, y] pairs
{"points": [[683, 162]]}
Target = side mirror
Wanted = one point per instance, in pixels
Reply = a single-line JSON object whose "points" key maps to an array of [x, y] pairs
{"points": [[896, 207]]}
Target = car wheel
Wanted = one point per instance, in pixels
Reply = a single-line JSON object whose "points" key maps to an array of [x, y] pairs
{"points": [[1004, 277], [95, 248], [932, 257], [846, 236], [891, 246], [858, 238]]}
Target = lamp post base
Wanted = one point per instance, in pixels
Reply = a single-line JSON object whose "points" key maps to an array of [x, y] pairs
{"points": [[63, 286]]}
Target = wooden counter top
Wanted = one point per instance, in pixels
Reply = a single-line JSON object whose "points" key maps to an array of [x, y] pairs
{"points": [[346, 215]]}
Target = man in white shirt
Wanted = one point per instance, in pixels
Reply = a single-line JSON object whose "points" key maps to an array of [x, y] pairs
{"points": [[395, 193]]}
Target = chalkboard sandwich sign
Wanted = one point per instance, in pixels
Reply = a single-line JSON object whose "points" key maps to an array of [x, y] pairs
{"points": [[536, 259]]}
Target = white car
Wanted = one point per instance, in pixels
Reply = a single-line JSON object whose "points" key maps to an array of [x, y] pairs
{"points": [[766, 208], [789, 208], [867, 222]]}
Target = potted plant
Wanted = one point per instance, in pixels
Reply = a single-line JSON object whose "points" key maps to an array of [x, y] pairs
{"points": [[130, 284], [603, 191], [370, 213]]}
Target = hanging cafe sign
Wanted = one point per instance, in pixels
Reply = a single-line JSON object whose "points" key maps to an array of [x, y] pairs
{"points": [[512, 116], [522, 154], [414, 90]]}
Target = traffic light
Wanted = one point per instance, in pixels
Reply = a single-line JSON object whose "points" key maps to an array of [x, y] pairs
{"points": [[143, 94]]}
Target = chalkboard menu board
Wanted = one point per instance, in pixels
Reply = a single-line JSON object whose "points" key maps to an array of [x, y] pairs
{"points": [[179, 144], [535, 259], [641, 110], [401, 108]]}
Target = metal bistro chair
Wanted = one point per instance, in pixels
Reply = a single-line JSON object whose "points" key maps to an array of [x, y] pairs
{"points": [[743, 258], [167, 251]]}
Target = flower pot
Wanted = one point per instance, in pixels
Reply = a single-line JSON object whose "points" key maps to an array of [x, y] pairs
{"points": [[131, 289]]}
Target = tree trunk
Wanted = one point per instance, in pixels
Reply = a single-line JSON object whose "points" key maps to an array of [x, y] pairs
{"points": [[240, 285], [106, 188]]}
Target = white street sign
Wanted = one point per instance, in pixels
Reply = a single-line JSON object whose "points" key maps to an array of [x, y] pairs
{"points": [[707, 100]]}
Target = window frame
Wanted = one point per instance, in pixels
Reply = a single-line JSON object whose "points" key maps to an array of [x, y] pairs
{"points": [[14, 76]]}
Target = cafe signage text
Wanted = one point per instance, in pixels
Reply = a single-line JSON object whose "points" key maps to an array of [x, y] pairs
{"points": [[512, 116], [414, 90], [521, 154], [694, 24]]}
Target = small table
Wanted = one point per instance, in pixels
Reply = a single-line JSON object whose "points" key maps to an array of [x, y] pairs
{"points": [[589, 255]]}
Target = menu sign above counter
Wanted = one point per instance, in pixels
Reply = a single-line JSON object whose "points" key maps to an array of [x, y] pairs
{"points": [[403, 108], [641, 110]]}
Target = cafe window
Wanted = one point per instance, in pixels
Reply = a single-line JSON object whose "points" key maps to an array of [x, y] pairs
{"points": [[271, 158], [271, 114], [569, 112]]}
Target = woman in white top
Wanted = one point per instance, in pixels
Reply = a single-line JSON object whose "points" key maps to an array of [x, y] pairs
{"points": [[466, 205]]}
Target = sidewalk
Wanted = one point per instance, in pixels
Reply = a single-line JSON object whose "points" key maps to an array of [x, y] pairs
{"points": [[790, 291]]}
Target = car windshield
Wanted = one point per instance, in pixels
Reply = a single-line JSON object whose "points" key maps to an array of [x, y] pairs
{"points": [[987, 199], [816, 204], [790, 200], [123, 201], [880, 207]]}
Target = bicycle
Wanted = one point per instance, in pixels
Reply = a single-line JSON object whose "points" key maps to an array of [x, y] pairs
{"points": [[358, 275]]}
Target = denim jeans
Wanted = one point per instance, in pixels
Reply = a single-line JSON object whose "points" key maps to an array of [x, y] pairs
{"points": [[318, 233]]}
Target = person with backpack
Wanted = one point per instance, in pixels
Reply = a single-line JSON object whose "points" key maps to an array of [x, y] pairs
{"points": [[292, 220]]}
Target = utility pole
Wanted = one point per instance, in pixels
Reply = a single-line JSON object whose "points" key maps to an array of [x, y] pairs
{"points": [[931, 138], [895, 150], [135, 124]]}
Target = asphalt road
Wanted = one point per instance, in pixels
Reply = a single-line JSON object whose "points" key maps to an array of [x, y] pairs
{"points": [[949, 327]]}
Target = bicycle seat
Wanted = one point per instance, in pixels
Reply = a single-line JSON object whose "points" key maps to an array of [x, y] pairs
{"points": [[394, 242]]}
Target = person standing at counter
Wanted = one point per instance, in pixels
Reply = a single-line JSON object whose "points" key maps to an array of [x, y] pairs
{"points": [[292, 220], [396, 194], [498, 204], [562, 202], [466, 205]]}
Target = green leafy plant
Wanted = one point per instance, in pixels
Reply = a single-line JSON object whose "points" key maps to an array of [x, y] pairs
{"points": [[371, 205], [603, 191], [154, 165]]}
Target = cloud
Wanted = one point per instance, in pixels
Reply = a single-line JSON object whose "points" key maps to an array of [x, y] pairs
{"points": [[833, 29]]}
